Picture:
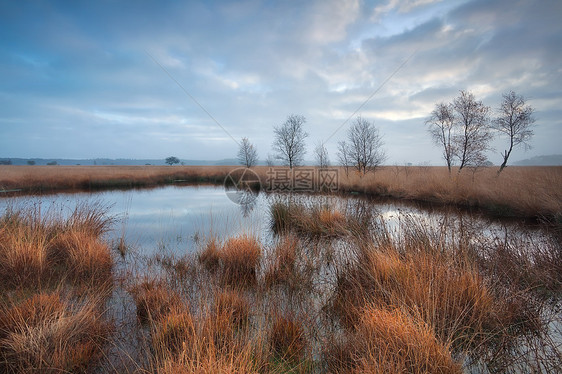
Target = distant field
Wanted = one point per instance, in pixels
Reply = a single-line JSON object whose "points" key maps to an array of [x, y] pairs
{"points": [[518, 191]]}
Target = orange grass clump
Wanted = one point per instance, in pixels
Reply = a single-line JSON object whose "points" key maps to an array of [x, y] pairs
{"points": [[287, 338], [174, 334], [44, 334], [83, 255], [450, 297], [234, 306], [210, 256], [154, 301], [394, 342], [36, 247], [240, 257]]}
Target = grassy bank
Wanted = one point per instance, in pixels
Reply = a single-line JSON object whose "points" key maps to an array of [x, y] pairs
{"points": [[39, 179], [528, 192]]}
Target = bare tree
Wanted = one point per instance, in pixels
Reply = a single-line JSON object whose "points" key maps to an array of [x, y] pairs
{"points": [[515, 120], [270, 160], [364, 150], [321, 154], [247, 154], [472, 119], [289, 141], [441, 127], [343, 156]]}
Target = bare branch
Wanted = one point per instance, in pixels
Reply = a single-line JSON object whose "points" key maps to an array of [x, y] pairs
{"points": [[247, 154], [289, 141], [321, 154], [514, 119]]}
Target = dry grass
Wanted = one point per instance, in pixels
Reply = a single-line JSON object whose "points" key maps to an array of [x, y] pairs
{"points": [[210, 256], [283, 267], [287, 338], [316, 220], [52, 178], [391, 341], [238, 259], [154, 300], [82, 255], [174, 335], [233, 306], [518, 191], [38, 247], [413, 300], [42, 256], [45, 334], [449, 296]]}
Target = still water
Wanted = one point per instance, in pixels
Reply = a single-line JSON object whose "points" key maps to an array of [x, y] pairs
{"points": [[177, 218]]}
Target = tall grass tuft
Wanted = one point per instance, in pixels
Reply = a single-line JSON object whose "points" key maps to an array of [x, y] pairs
{"points": [[316, 220], [233, 306], [154, 300], [240, 258], [210, 256], [45, 334], [44, 247], [287, 338], [391, 341], [282, 268]]}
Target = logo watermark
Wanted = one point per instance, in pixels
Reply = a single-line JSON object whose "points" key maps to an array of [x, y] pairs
{"points": [[242, 185]]}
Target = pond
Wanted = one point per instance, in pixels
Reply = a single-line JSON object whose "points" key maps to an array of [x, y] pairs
{"points": [[178, 220], [178, 217]]}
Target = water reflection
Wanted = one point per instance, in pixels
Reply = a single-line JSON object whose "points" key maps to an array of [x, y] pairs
{"points": [[177, 218]]}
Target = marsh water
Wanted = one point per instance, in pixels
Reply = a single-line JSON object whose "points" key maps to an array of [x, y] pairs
{"points": [[177, 218]]}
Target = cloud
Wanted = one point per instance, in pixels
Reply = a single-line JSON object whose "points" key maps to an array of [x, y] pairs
{"points": [[78, 80]]}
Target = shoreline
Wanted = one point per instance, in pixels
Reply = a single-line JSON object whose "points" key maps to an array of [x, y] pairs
{"points": [[531, 193]]}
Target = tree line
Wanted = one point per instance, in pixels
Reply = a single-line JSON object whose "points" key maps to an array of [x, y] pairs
{"points": [[462, 128]]}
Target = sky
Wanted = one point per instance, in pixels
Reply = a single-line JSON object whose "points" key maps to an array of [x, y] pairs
{"points": [[151, 79]]}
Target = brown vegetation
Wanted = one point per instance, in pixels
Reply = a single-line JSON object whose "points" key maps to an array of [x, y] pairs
{"points": [[37, 179], [45, 334], [334, 290], [44, 256], [518, 191]]}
